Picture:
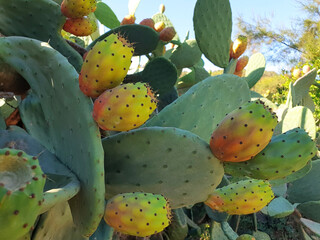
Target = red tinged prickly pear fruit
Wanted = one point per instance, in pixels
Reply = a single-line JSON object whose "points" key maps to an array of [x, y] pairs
{"points": [[242, 63], [80, 26], [125, 107], [167, 34], [129, 19], [159, 26], [138, 214], [240, 198], [147, 22], [77, 8], [305, 69], [105, 65], [239, 46], [243, 133], [239, 74]]}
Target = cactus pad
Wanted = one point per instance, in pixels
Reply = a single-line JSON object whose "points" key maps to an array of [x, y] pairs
{"points": [[150, 165]]}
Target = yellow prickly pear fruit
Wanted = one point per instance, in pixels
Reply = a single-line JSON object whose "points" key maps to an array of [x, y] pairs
{"points": [[243, 197], [106, 65], [77, 8], [239, 46], [138, 214], [125, 107], [296, 73], [80, 26], [305, 69], [162, 8], [159, 26], [129, 19]]}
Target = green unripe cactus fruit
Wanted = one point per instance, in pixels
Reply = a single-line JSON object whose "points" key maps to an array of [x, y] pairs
{"points": [[285, 154], [243, 197], [124, 107], [243, 133], [105, 65], [138, 214], [21, 192]]}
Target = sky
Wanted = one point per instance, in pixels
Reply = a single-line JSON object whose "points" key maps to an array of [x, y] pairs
{"points": [[282, 12]]}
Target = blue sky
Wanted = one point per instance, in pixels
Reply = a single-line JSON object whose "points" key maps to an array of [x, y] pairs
{"points": [[180, 12]]}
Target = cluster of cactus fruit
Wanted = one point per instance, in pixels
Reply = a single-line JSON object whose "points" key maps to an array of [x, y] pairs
{"points": [[113, 152]]}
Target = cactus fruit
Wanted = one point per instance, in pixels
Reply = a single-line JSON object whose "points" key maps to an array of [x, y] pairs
{"points": [[77, 8], [243, 197], [128, 19], [296, 73], [285, 154], [239, 73], [21, 192], [80, 26], [242, 63], [246, 237], [243, 133], [125, 107], [239, 46], [162, 8], [167, 34], [305, 69], [105, 65], [147, 22], [138, 214], [159, 26]]}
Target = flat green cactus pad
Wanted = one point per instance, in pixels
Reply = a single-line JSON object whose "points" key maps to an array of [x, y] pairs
{"points": [[72, 133], [168, 161], [38, 19]]}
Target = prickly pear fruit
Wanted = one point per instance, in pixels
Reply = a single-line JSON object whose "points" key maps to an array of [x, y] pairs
{"points": [[243, 197], [159, 26], [21, 192], [239, 74], [80, 26], [77, 8], [167, 34], [138, 214], [239, 46], [147, 22], [105, 65], [285, 154], [243, 133], [125, 107], [246, 237], [305, 69], [128, 19], [162, 8], [296, 73], [242, 63]]}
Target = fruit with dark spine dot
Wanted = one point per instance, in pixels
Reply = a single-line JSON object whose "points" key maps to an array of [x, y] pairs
{"points": [[138, 214], [125, 107], [243, 197], [77, 8], [80, 26], [167, 34], [243, 133], [105, 65]]}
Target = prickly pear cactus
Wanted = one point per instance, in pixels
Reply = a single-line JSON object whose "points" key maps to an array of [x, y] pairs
{"points": [[243, 197], [243, 133], [138, 214], [285, 154], [21, 192]]}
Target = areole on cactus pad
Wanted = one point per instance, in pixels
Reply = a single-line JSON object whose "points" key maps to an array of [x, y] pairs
{"points": [[243, 133]]}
